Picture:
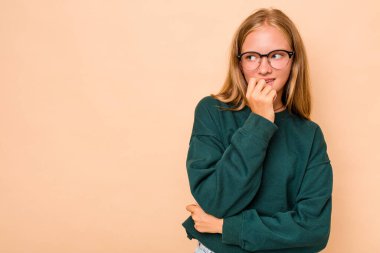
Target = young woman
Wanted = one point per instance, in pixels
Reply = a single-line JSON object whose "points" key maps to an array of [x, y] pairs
{"points": [[257, 165]]}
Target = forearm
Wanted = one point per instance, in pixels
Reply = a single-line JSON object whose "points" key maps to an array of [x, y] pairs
{"points": [[306, 224]]}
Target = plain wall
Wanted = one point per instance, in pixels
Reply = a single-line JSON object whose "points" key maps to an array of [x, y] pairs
{"points": [[96, 108]]}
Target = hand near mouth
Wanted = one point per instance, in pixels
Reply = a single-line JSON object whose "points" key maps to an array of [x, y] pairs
{"points": [[261, 96]]}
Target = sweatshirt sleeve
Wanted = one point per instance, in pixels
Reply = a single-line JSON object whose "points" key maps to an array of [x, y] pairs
{"points": [[306, 225], [224, 180]]}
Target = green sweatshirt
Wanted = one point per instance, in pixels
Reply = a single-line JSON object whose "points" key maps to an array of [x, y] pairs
{"points": [[270, 182]]}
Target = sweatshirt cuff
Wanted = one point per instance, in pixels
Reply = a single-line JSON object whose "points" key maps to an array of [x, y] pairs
{"points": [[232, 227], [259, 126]]}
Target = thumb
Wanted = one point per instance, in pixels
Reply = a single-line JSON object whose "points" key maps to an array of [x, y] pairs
{"points": [[191, 207]]}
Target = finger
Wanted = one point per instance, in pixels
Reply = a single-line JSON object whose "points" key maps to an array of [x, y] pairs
{"points": [[261, 84], [266, 90], [191, 208], [200, 208], [259, 87], [251, 86], [273, 94]]}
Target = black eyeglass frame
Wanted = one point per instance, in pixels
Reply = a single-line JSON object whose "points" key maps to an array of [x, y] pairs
{"points": [[290, 53]]}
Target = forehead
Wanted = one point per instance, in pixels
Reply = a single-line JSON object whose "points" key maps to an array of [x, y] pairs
{"points": [[265, 39]]}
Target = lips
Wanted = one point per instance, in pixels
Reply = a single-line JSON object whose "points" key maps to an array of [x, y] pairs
{"points": [[270, 81]]}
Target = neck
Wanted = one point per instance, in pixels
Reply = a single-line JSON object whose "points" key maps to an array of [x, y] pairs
{"points": [[278, 105], [279, 109]]}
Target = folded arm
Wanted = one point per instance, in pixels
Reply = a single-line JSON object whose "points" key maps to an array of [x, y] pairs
{"points": [[306, 225], [224, 180]]}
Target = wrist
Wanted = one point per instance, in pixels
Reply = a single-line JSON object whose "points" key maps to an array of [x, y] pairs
{"points": [[267, 115]]}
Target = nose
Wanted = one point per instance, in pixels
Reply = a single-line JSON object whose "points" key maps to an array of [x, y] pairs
{"points": [[265, 67]]}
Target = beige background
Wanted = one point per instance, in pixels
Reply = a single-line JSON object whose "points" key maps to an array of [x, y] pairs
{"points": [[96, 109]]}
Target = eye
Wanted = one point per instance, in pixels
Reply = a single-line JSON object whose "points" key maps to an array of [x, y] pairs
{"points": [[251, 57], [277, 55]]}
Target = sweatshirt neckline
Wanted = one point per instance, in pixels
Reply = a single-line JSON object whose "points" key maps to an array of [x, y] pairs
{"points": [[280, 115]]}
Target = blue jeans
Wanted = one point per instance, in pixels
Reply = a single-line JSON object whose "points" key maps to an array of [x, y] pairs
{"points": [[202, 249]]}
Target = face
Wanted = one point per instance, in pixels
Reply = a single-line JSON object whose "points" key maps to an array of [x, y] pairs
{"points": [[264, 40]]}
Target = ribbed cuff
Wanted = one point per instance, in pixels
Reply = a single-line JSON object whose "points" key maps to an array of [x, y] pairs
{"points": [[232, 227], [259, 126]]}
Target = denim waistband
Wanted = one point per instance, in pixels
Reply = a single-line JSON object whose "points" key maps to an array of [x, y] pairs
{"points": [[204, 248]]}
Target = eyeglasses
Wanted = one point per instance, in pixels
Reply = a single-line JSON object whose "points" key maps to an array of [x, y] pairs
{"points": [[277, 59]]}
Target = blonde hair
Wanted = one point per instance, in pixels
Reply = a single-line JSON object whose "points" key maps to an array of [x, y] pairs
{"points": [[296, 96]]}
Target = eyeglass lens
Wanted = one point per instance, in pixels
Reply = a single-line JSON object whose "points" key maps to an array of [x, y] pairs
{"points": [[277, 59]]}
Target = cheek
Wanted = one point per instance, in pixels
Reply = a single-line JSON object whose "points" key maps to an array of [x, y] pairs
{"points": [[247, 75], [286, 75], [283, 78]]}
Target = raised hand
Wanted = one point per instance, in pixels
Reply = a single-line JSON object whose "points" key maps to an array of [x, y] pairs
{"points": [[261, 96]]}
